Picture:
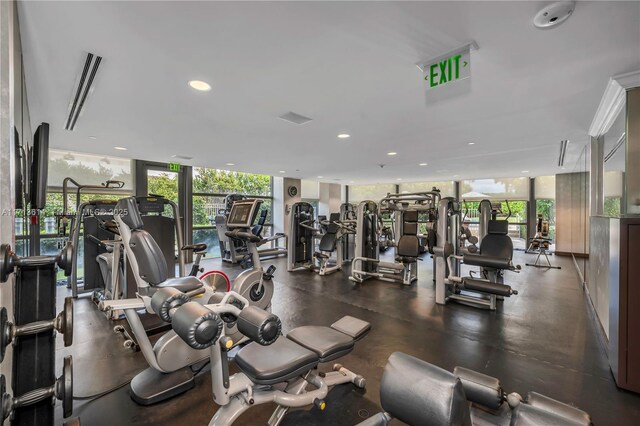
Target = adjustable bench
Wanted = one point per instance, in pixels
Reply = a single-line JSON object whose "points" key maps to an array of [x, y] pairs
{"points": [[300, 351]]}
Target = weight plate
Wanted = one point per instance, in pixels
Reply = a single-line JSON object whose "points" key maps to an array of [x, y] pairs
{"points": [[5, 252], [67, 396], [67, 325], [5, 338]]}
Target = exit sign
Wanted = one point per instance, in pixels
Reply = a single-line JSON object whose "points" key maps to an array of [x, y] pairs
{"points": [[174, 167], [447, 68]]}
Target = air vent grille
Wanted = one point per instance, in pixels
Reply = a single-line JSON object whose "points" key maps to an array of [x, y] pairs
{"points": [[563, 152], [82, 89], [294, 118]]}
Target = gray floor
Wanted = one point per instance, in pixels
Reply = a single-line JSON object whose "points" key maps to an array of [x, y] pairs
{"points": [[545, 339]]}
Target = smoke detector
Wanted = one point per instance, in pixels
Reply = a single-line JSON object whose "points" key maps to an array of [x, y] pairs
{"points": [[554, 14]]}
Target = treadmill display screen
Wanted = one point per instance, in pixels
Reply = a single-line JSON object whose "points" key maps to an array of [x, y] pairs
{"points": [[241, 215]]}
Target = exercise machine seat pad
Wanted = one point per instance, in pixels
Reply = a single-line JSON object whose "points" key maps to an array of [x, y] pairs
{"points": [[418, 393], [151, 264], [486, 260], [352, 326], [281, 361], [127, 209], [408, 248], [328, 241], [480, 388], [184, 284], [537, 400], [327, 343], [195, 247], [527, 415], [410, 216], [498, 227], [488, 287]]}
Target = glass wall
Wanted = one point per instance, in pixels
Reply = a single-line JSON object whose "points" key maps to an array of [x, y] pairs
{"points": [[499, 188], [447, 187], [545, 196], [210, 187], [374, 192]]}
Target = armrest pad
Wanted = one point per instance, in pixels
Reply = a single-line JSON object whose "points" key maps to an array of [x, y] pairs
{"points": [[480, 388], [351, 326], [380, 419], [558, 408], [526, 415]]}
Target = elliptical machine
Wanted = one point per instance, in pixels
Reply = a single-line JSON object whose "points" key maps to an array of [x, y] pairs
{"points": [[170, 359]]}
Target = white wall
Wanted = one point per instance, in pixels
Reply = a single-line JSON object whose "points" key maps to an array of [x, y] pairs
{"points": [[282, 202], [330, 198]]}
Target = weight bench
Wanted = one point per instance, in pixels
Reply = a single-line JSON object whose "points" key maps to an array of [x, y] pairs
{"points": [[300, 351], [418, 393]]}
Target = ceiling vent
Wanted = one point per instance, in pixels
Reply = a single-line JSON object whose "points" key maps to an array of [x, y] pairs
{"points": [[182, 157], [554, 14], [294, 118], [615, 148], [563, 152], [82, 89]]}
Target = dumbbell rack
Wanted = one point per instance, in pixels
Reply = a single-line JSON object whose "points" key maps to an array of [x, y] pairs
{"points": [[33, 338]]}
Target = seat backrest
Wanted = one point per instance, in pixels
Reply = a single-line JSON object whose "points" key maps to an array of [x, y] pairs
{"points": [[259, 226], [418, 393], [497, 241], [143, 253], [329, 239], [408, 244]]}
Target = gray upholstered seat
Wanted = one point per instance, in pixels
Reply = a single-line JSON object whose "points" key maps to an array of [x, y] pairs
{"points": [[184, 284], [276, 363], [327, 343]]}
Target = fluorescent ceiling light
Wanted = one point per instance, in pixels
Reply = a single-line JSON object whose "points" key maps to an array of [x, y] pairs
{"points": [[120, 148], [471, 143], [391, 154], [344, 136], [200, 85], [422, 164]]}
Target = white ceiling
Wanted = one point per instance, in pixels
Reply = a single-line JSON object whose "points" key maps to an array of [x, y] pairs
{"points": [[348, 65]]}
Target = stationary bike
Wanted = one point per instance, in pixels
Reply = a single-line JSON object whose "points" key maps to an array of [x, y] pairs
{"points": [[170, 358]]}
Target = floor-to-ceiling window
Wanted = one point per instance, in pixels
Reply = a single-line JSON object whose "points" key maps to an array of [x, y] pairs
{"points": [[211, 186], [85, 169]]}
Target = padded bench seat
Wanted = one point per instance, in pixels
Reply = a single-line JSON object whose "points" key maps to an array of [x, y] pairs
{"points": [[276, 363], [184, 284], [330, 343]]}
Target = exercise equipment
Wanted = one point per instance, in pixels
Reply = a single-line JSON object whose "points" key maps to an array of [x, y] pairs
{"points": [[273, 368], [170, 359], [495, 254], [464, 397], [235, 251], [332, 241], [406, 209], [302, 235], [541, 244], [32, 334], [61, 389]]}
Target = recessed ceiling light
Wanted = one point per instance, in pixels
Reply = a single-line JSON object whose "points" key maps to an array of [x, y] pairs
{"points": [[455, 176], [399, 179], [282, 171], [525, 171], [229, 164], [351, 181], [392, 153], [120, 148], [344, 136], [200, 85], [422, 164], [92, 137], [320, 177], [471, 143]]}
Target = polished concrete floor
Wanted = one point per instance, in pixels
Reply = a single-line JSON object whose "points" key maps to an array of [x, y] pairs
{"points": [[545, 339]]}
